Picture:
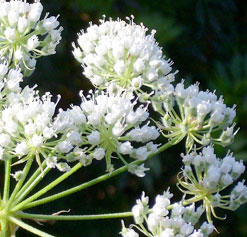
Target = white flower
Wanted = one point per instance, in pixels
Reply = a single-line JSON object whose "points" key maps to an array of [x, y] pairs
{"points": [[99, 153], [138, 170], [195, 115], [165, 220], [4, 140], [51, 161], [126, 148], [131, 55], [74, 138], [37, 140], [18, 175], [50, 23], [94, 138], [64, 147], [210, 178], [63, 167], [32, 42], [21, 149], [109, 121], [18, 24]]}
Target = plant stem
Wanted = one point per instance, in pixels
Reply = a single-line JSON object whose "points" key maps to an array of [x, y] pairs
{"points": [[27, 189], [85, 185], [73, 218], [88, 217], [29, 227], [32, 179], [7, 180], [47, 188], [20, 182]]}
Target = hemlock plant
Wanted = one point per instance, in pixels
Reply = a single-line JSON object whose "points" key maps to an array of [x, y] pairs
{"points": [[130, 74]]}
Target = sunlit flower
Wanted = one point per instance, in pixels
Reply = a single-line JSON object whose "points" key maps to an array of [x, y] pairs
{"points": [[107, 124], [24, 36], [198, 116], [123, 53], [204, 176], [165, 220]]}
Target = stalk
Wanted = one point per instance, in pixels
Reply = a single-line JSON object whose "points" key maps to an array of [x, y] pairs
{"points": [[29, 228], [47, 188], [28, 202], [20, 182], [7, 181], [73, 218]]}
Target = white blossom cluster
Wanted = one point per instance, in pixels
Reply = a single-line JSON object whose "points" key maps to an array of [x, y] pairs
{"points": [[165, 220], [198, 116], [9, 84], [24, 36], [107, 124], [204, 176], [122, 52], [27, 129]]}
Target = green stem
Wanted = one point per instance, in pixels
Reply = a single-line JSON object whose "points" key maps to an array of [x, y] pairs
{"points": [[30, 185], [28, 227], [73, 218], [85, 185], [4, 228], [31, 179], [47, 188], [20, 182], [7, 180]]}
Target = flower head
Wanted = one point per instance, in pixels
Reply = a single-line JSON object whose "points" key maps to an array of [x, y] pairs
{"points": [[204, 176], [107, 124], [27, 129], [24, 37], [165, 220], [124, 53], [198, 116]]}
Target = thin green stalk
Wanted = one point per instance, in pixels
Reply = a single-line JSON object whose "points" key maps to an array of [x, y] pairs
{"points": [[73, 218], [29, 228], [7, 181], [47, 188], [85, 185], [20, 182], [32, 178], [27, 189]]}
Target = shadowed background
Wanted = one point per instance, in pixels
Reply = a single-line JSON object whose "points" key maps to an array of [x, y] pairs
{"points": [[207, 41]]}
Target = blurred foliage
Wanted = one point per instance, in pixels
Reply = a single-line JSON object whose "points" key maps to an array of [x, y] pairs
{"points": [[207, 41]]}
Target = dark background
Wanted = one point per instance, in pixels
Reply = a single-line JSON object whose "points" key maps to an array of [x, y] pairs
{"points": [[207, 41]]}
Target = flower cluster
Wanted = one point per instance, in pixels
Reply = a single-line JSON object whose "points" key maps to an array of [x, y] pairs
{"points": [[165, 220], [9, 84], [107, 123], [204, 176], [24, 37], [198, 116], [121, 52], [27, 129]]}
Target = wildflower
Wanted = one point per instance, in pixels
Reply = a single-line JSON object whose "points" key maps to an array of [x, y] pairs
{"points": [[25, 37], [164, 220], [204, 176], [28, 129], [110, 125], [198, 116], [123, 53]]}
